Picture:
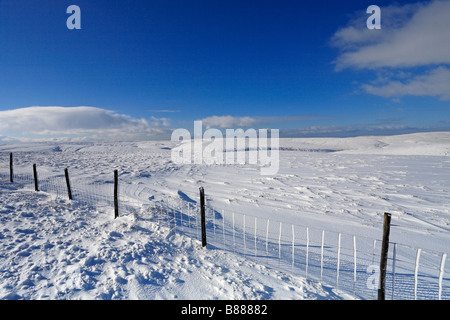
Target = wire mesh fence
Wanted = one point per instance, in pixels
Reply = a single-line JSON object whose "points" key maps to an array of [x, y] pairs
{"points": [[343, 261]]}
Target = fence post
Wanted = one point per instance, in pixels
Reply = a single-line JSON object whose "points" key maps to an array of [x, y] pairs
{"points": [[234, 233], [338, 260], [441, 273], [69, 190], [321, 254], [394, 259], [354, 263], [416, 271], [279, 244], [243, 233], [202, 216], [307, 253], [293, 245], [11, 172], [116, 191], [384, 256], [223, 226], [36, 184], [256, 250]]}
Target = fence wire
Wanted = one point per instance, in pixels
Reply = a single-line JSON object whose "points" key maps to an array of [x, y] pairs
{"points": [[346, 262]]}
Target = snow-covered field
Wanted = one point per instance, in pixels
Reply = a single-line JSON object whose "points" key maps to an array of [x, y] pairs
{"points": [[51, 248]]}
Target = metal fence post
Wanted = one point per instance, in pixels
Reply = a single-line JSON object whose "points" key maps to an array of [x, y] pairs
{"points": [[441, 273], [416, 272]]}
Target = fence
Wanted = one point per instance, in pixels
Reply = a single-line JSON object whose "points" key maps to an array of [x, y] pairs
{"points": [[343, 261], [346, 262]]}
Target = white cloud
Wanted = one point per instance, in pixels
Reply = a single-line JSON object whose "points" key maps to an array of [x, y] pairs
{"points": [[410, 54], [436, 83], [164, 110], [411, 35], [159, 122], [229, 121], [76, 123], [247, 121]]}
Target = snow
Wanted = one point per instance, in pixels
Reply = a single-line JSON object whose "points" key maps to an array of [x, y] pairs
{"points": [[51, 248]]}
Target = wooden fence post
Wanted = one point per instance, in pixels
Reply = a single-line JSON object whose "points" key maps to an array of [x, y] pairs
{"points": [[69, 190], [384, 256], [116, 191], [202, 216], [11, 172], [36, 184]]}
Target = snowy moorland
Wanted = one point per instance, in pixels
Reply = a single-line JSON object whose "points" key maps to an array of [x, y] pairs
{"points": [[53, 248]]}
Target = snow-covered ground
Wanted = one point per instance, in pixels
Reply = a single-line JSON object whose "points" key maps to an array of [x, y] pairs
{"points": [[51, 248]]}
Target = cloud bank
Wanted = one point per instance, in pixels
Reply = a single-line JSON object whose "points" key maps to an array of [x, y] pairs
{"points": [[76, 123], [435, 83], [229, 121], [412, 36]]}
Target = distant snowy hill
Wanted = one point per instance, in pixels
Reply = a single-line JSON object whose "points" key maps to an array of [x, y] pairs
{"points": [[429, 143]]}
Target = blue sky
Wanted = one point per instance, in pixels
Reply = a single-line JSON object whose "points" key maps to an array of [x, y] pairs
{"points": [[308, 68]]}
